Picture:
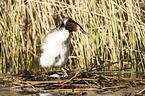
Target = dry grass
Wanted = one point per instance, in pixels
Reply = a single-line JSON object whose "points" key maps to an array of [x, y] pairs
{"points": [[117, 30]]}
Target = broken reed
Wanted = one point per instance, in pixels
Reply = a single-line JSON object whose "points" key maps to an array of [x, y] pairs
{"points": [[116, 27]]}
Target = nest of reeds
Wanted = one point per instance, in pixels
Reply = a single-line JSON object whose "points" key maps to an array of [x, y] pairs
{"points": [[79, 82]]}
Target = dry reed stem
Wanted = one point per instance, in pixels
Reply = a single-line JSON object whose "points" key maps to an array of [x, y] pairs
{"points": [[116, 28]]}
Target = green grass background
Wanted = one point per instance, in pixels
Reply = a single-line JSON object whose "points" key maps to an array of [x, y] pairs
{"points": [[117, 29]]}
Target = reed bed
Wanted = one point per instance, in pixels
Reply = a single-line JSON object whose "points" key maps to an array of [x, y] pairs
{"points": [[117, 29]]}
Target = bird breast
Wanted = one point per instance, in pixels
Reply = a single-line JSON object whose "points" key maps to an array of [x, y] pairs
{"points": [[56, 48]]}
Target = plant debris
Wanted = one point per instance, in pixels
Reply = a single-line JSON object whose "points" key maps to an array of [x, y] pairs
{"points": [[79, 82]]}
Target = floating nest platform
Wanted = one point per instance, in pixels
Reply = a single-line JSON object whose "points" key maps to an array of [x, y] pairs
{"points": [[77, 83]]}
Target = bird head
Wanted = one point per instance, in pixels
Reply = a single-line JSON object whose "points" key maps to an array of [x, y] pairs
{"points": [[71, 25]]}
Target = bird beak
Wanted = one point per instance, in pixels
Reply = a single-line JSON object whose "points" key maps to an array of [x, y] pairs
{"points": [[82, 30]]}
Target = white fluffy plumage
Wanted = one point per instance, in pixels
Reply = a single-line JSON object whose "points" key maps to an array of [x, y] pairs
{"points": [[55, 48]]}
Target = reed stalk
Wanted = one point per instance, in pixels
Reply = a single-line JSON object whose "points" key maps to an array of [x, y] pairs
{"points": [[117, 30]]}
